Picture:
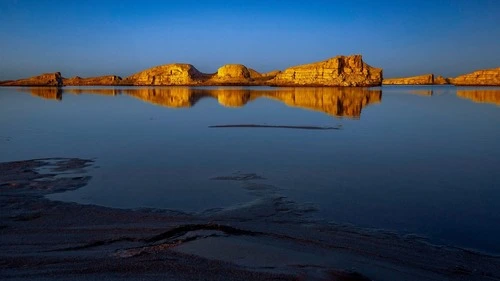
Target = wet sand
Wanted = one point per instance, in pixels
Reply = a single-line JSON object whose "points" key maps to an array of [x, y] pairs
{"points": [[271, 238]]}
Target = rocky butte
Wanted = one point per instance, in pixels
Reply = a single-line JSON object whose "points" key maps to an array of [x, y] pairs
{"points": [[337, 71]]}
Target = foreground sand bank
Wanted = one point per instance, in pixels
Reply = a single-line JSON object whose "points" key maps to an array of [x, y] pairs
{"points": [[272, 238]]}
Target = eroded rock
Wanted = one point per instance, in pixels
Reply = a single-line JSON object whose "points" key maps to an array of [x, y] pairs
{"points": [[487, 77], [337, 71]]}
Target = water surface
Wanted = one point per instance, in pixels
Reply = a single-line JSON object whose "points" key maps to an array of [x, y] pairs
{"points": [[418, 160]]}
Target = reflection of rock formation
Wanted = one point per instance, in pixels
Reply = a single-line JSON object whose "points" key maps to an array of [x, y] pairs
{"points": [[481, 96], [488, 77], [46, 79], [231, 97], [422, 92], [50, 93], [339, 101], [104, 92], [169, 97], [337, 71], [347, 102]]}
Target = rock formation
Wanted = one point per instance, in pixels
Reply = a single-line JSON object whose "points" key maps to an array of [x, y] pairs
{"points": [[481, 96], [337, 71], [169, 74], [46, 79], [440, 80], [233, 73], [488, 77], [108, 80], [426, 79]]}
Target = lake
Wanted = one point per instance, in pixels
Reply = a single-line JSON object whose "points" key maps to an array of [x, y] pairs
{"points": [[416, 160]]}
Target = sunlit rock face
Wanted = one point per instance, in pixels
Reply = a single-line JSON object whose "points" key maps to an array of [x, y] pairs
{"points": [[50, 93], [339, 102], [107, 80], [426, 79], [46, 79], [169, 97], [488, 77], [170, 74], [481, 96], [233, 73], [337, 71]]}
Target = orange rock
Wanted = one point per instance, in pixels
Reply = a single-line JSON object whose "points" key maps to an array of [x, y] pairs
{"points": [[337, 71], [488, 77], [46, 79]]}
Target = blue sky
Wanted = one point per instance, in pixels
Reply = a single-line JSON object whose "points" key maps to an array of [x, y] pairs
{"points": [[90, 38]]}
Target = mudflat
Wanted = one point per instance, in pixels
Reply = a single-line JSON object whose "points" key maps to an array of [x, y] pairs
{"points": [[271, 238]]}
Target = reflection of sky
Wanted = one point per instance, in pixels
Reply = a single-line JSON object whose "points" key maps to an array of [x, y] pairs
{"points": [[424, 164], [90, 38]]}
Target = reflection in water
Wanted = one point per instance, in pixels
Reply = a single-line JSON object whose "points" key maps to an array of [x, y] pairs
{"points": [[422, 92], [339, 102], [50, 93], [105, 92], [481, 96]]}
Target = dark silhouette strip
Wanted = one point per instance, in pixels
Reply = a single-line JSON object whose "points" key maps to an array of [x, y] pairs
{"points": [[274, 126]]}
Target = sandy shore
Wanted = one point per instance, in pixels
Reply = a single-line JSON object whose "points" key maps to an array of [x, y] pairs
{"points": [[269, 239]]}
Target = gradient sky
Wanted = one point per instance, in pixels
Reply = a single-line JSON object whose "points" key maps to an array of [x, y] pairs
{"points": [[90, 38]]}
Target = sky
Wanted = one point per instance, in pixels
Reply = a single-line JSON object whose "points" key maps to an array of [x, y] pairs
{"points": [[91, 38]]}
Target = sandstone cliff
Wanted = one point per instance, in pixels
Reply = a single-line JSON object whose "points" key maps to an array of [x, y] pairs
{"points": [[108, 80], [426, 79], [337, 71], [46, 79], [169, 74], [481, 96], [488, 77]]}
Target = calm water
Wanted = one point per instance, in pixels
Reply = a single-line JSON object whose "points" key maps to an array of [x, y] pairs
{"points": [[422, 160]]}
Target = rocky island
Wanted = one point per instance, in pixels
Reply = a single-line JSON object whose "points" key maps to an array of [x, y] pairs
{"points": [[337, 71]]}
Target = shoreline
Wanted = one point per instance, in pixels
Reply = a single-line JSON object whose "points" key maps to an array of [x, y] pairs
{"points": [[269, 239]]}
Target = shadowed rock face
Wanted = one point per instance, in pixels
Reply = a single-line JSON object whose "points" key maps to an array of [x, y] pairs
{"points": [[46, 79], [170, 74], [92, 81], [426, 79], [481, 96], [488, 77], [337, 71], [440, 80]]}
